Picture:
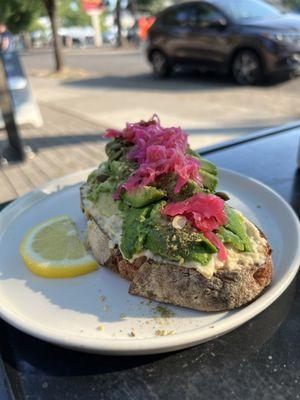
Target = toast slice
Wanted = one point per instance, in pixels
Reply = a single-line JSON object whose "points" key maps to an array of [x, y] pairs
{"points": [[170, 283]]}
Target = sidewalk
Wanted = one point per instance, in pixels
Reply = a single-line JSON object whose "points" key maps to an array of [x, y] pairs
{"points": [[63, 145]]}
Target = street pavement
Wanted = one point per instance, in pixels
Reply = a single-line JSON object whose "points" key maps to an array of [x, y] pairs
{"points": [[112, 87], [119, 87]]}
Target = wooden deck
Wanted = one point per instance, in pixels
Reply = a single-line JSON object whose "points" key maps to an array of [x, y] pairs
{"points": [[63, 145]]}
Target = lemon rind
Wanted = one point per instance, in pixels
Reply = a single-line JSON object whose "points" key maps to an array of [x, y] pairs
{"points": [[45, 268]]}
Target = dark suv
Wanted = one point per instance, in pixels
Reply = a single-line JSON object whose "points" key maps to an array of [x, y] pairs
{"points": [[248, 38]]}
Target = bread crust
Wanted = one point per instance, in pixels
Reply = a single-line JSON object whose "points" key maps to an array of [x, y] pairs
{"points": [[185, 287], [178, 285], [188, 288]]}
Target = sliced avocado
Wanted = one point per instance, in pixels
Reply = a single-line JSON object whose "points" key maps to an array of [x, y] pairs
{"points": [[143, 196], [103, 168], [108, 186], [229, 237], [115, 167], [189, 189], [147, 229], [193, 153], [208, 171], [133, 231], [99, 175], [201, 255], [155, 214], [210, 181], [120, 170], [106, 205], [205, 164], [92, 177], [176, 245], [117, 149], [168, 183], [236, 225], [208, 166]]}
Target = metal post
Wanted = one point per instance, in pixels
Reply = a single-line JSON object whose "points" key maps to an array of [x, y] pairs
{"points": [[15, 150]]}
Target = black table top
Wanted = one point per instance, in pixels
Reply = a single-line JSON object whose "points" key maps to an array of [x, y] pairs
{"points": [[259, 360]]}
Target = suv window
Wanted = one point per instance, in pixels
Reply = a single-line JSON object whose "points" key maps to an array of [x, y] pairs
{"points": [[207, 13], [183, 15]]}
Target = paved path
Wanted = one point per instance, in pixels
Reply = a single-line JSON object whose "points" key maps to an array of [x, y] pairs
{"points": [[106, 60], [63, 145], [120, 88]]}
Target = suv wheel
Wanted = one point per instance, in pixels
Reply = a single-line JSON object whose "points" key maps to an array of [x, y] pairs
{"points": [[160, 64], [247, 68]]}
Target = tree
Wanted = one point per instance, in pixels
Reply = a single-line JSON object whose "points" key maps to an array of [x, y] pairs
{"points": [[71, 13], [51, 8], [19, 15], [133, 7]]}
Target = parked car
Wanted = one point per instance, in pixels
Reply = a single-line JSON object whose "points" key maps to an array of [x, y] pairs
{"points": [[248, 38]]}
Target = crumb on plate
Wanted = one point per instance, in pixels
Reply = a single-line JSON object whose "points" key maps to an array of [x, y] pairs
{"points": [[163, 332]]}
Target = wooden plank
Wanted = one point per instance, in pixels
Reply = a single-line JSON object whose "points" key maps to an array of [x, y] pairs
{"points": [[35, 175], [60, 150], [7, 192], [18, 179], [49, 169]]}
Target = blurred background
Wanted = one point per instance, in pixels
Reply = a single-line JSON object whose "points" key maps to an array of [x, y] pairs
{"points": [[220, 69]]}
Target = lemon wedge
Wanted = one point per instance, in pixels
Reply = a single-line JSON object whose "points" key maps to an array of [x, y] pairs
{"points": [[53, 249]]}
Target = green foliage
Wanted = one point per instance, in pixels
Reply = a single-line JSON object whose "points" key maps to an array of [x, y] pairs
{"points": [[71, 13], [22, 15], [103, 25], [151, 6], [36, 25], [19, 15]]}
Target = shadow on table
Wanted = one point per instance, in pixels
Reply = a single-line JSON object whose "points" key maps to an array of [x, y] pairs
{"points": [[227, 350]]}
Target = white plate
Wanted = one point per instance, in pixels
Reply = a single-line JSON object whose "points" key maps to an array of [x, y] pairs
{"points": [[68, 312]]}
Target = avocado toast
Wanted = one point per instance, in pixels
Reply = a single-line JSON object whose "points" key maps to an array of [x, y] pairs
{"points": [[154, 217]]}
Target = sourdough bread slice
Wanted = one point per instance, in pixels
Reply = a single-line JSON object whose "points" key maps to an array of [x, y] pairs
{"points": [[174, 284]]}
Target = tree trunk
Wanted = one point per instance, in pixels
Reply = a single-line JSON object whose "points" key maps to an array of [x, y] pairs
{"points": [[118, 23], [26, 40], [133, 9], [51, 7]]}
